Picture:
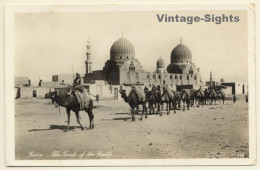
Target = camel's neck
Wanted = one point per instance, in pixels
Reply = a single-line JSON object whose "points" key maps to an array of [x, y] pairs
{"points": [[125, 98], [62, 101]]}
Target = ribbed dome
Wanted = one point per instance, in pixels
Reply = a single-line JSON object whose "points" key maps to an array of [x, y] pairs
{"points": [[122, 49], [181, 54], [160, 63]]}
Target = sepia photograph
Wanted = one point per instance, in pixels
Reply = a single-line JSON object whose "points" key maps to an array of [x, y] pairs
{"points": [[133, 82]]}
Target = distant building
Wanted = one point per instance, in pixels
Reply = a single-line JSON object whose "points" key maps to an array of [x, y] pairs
{"points": [[22, 81], [237, 88], [63, 78], [124, 68], [233, 87]]}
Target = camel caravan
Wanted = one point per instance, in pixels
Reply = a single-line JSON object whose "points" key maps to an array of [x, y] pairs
{"points": [[156, 98], [78, 99]]}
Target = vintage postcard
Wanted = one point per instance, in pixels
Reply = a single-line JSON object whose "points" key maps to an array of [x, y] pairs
{"points": [[130, 85]]}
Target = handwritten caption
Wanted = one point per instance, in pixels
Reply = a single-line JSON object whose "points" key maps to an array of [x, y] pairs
{"points": [[74, 155]]}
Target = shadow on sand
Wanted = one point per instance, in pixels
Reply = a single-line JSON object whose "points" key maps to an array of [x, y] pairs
{"points": [[97, 106], [122, 113], [118, 118], [54, 127], [122, 118]]}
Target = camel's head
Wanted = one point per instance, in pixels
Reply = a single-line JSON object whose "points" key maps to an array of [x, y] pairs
{"points": [[53, 96], [122, 92]]}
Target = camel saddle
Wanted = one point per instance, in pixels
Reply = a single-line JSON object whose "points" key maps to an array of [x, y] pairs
{"points": [[83, 98], [140, 93], [169, 92]]}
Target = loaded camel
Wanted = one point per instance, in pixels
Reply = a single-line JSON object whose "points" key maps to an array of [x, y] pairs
{"points": [[70, 103], [133, 100], [171, 98]]}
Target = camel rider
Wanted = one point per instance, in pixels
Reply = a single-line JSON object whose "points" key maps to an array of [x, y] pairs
{"points": [[145, 89], [154, 88], [77, 83]]}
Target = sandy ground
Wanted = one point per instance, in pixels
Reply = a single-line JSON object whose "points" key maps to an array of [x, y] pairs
{"points": [[216, 131]]}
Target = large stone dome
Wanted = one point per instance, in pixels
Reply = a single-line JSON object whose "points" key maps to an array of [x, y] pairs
{"points": [[181, 54], [122, 49], [160, 63]]}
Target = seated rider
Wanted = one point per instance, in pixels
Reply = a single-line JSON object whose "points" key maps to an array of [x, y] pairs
{"points": [[77, 84], [154, 88]]}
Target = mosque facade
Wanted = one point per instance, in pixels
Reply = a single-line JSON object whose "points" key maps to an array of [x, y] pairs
{"points": [[124, 68]]}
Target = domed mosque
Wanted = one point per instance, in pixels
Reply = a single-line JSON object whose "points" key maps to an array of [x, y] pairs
{"points": [[123, 68]]}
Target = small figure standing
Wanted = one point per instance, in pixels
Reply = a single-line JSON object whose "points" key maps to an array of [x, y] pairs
{"points": [[234, 98], [97, 98], [246, 98]]}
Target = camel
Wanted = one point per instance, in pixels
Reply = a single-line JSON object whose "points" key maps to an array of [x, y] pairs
{"points": [[172, 99], [70, 103], [167, 98], [154, 98], [185, 98], [220, 95], [133, 101], [212, 96], [192, 97], [199, 98]]}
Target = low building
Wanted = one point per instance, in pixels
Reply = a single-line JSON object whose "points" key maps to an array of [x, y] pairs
{"points": [[63, 78], [22, 81], [237, 88], [32, 92]]}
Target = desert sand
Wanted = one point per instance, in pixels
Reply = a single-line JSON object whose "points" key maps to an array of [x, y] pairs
{"points": [[212, 131]]}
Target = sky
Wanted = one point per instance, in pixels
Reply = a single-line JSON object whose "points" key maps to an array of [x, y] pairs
{"points": [[51, 43]]}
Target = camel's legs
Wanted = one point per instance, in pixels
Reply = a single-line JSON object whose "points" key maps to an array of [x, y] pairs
{"points": [[91, 119], [142, 113], [169, 108], [159, 108], [183, 106], [133, 113], [174, 106], [77, 115], [68, 122], [145, 112]]}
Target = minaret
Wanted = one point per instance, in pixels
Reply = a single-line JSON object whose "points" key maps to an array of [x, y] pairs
{"points": [[210, 78], [88, 61]]}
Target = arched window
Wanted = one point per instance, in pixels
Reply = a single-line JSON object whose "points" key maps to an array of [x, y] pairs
{"points": [[132, 67]]}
